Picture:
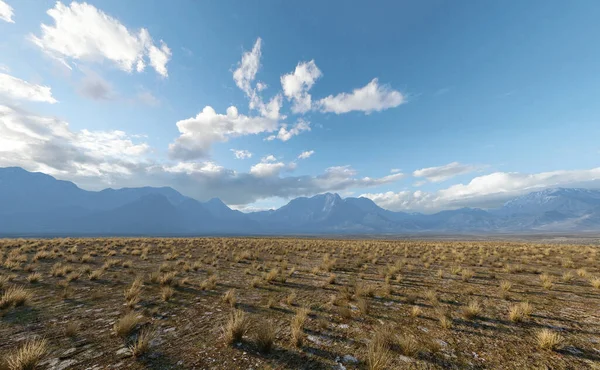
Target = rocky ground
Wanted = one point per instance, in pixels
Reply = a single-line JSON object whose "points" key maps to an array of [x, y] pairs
{"points": [[322, 304]]}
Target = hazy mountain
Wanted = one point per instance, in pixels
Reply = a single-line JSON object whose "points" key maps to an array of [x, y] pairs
{"points": [[569, 202], [35, 203]]}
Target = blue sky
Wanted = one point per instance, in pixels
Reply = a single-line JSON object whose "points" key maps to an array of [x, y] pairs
{"points": [[422, 105]]}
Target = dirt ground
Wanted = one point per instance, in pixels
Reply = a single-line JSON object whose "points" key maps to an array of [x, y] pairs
{"points": [[220, 303]]}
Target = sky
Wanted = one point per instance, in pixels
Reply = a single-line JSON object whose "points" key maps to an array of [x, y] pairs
{"points": [[419, 105]]}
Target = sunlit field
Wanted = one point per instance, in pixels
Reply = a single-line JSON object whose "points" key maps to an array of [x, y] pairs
{"points": [[226, 303]]}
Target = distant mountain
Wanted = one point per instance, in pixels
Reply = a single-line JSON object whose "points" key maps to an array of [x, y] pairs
{"points": [[35, 203], [569, 202], [38, 204]]}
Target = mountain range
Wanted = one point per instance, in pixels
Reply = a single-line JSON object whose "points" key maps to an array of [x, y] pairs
{"points": [[38, 204]]}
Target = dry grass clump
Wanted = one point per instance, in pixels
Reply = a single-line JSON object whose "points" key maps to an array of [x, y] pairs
{"points": [[15, 296], [35, 277], [379, 356], [445, 319], [363, 306], [28, 356], [72, 328], [520, 312], [408, 346], [209, 284], [567, 277], [467, 274], [548, 339], [472, 310], [416, 311], [125, 325], [290, 299], [297, 326], [237, 326], [166, 293], [229, 298], [264, 336], [96, 274], [141, 344], [595, 282]]}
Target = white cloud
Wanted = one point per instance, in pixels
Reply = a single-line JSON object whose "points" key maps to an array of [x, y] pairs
{"points": [[369, 98], [486, 191], [269, 166], [245, 75], [267, 169], [6, 12], [443, 173], [269, 158], [205, 168], [200, 132], [83, 32], [47, 144], [306, 154], [95, 159], [241, 154], [297, 84], [284, 134], [395, 170], [248, 67], [15, 88]]}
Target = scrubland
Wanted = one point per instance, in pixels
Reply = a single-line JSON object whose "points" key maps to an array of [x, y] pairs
{"points": [[261, 303]]}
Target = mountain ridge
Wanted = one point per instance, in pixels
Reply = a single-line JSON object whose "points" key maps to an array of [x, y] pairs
{"points": [[35, 203]]}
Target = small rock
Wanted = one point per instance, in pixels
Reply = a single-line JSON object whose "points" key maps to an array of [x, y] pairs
{"points": [[405, 358], [124, 352], [350, 359], [68, 353], [64, 364]]}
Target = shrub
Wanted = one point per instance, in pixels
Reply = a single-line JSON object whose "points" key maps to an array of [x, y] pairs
{"points": [[265, 336], [125, 325], [548, 339], [15, 296], [28, 355], [142, 342], [237, 326]]}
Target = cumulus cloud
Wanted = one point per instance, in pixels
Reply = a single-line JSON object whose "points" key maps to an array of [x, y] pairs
{"points": [[95, 159], [244, 188], [486, 191], [47, 144], [297, 84], [200, 132], [83, 32], [6, 12], [443, 173], [15, 88], [369, 98], [284, 134], [241, 154], [267, 169], [306, 154]]}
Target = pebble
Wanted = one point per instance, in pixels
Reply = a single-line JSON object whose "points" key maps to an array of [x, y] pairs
{"points": [[124, 352], [68, 353], [351, 359]]}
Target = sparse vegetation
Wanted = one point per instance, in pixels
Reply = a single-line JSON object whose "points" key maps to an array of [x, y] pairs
{"points": [[300, 303]]}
